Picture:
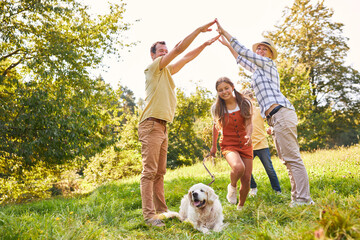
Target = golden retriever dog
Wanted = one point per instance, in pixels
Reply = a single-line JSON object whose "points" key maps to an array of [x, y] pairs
{"points": [[201, 207]]}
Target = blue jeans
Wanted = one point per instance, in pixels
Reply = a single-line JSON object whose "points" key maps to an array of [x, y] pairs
{"points": [[264, 155]]}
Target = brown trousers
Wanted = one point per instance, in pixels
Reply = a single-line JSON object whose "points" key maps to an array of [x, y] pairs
{"points": [[154, 139]]}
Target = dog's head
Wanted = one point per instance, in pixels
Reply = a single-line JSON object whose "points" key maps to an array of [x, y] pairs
{"points": [[201, 195]]}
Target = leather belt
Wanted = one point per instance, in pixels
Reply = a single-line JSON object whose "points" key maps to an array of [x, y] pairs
{"points": [[275, 110], [162, 122]]}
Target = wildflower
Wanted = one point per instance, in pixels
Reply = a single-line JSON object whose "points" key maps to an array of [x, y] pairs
{"points": [[57, 219]]}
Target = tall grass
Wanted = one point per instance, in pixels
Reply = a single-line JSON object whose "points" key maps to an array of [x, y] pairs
{"points": [[113, 211]]}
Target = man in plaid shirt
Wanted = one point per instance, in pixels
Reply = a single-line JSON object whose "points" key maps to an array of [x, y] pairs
{"points": [[277, 109]]}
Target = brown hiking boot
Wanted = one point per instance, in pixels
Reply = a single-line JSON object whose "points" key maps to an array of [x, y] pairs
{"points": [[154, 222]]}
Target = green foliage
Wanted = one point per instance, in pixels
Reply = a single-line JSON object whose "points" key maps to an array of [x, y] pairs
{"points": [[57, 38], [314, 77], [189, 137], [112, 165], [21, 185], [313, 127], [186, 145], [53, 124], [203, 129], [310, 37], [45, 127], [113, 211], [118, 161], [51, 110], [346, 129], [129, 139], [127, 99]]}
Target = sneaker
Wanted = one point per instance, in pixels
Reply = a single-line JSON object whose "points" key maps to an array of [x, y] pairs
{"points": [[253, 192], [278, 193], [154, 222], [231, 195], [239, 207], [301, 203]]}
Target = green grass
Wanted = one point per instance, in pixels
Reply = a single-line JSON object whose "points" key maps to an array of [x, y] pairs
{"points": [[113, 211]]}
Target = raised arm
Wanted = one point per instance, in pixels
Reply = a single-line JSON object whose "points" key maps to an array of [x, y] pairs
{"points": [[227, 44], [248, 65], [222, 31], [181, 46], [191, 55], [246, 58], [250, 56]]}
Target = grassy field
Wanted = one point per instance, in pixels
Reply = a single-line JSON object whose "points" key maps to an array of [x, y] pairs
{"points": [[113, 211]]}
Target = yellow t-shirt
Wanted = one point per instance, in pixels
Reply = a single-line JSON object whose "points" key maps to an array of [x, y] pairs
{"points": [[160, 93], [258, 136]]}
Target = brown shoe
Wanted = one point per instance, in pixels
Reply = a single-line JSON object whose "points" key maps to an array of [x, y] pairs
{"points": [[155, 222]]}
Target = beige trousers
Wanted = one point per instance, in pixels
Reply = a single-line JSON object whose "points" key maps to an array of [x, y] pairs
{"points": [[284, 124], [154, 139]]}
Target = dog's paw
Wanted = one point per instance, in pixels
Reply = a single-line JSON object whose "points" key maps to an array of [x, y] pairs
{"points": [[204, 230], [224, 225], [169, 214], [219, 227]]}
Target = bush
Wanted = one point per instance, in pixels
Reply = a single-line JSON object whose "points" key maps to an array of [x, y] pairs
{"points": [[18, 184], [113, 165]]}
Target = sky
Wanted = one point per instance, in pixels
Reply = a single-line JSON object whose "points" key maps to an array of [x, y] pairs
{"points": [[171, 21]]}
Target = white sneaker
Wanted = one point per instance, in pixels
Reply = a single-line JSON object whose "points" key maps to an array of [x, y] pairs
{"points": [[300, 203], [239, 208], [231, 195], [253, 192]]}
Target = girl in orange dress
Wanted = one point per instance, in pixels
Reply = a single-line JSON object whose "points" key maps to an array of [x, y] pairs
{"points": [[232, 114]]}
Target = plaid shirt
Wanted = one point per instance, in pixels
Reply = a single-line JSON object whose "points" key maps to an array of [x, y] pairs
{"points": [[265, 79]]}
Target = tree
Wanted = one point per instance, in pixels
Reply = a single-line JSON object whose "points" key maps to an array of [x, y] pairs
{"points": [[126, 104], [185, 145], [312, 51], [120, 160], [52, 110]]}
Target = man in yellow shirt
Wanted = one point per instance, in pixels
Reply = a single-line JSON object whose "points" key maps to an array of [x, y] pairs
{"points": [[160, 109], [261, 148]]}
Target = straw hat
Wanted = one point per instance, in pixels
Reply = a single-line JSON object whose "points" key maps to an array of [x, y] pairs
{"points": [[267, 42]]}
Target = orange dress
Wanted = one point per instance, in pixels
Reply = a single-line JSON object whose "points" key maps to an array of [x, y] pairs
{"points": [[233, 136]]}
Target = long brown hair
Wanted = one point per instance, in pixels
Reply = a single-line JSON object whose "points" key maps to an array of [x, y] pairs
{"points": [[220, 110]]}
